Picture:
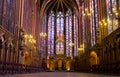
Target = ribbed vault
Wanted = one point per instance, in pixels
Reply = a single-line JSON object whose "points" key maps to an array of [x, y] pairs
{"points": [[58, 5]]}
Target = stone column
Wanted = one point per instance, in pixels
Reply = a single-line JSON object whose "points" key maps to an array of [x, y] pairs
{"points": [[55, 25], [64, 34], [0, 49], [73, 35]]}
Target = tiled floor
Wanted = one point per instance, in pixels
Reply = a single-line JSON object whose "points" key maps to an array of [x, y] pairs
{"points": [[59, 74]]}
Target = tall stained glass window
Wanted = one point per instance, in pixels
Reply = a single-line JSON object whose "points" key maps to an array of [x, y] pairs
{"points": [[75, 35], [83, 23], [6, 19], [60, 24], [60, 33], [9, 12], [95, 12], [112, 21], [51, 24], [68, 34], [1, 4], [43, 45], [12, 15], [92, 22]]}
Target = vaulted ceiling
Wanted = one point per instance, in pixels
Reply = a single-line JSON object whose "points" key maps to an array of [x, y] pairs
{"points": [[61, 5], [57, 5]]}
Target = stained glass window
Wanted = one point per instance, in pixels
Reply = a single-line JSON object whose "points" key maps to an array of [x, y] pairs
{"points": [[51, 24], [43, 44], [108, 16], [83, 23], [115, 21], [12, 15], [112, 21], [92, 22], [6, 20], [1, 2], [9, 14], [60, 48], [96, 20], [60, 33], [75, 35], [63, 25], [68, 34], [60, 24]]}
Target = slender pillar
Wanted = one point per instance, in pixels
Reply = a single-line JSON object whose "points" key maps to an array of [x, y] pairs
{"points": [[55, 25], [73, 35], [5, 51], [8, 54], [87, 27], [47, 17], [79, 35], [64, 34], [20, 14], [0, 48]]}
